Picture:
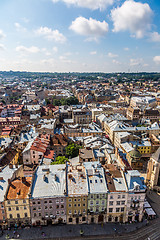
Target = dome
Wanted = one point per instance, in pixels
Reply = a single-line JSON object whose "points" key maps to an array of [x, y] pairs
{"points": [[135, 153]]}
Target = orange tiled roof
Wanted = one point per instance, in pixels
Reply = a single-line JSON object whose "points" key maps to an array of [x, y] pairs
{"points": [[49, 154], [19, 189]]}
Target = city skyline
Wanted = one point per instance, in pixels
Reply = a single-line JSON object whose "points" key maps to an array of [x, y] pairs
{"points": [[80, 36]]}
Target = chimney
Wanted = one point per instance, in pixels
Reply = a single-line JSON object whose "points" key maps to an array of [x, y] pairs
{"points": [[10, 166], [9, 181], [23, 179]]}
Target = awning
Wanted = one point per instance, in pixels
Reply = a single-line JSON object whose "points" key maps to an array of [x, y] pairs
{"points": [[150, 212], [146, 205]]}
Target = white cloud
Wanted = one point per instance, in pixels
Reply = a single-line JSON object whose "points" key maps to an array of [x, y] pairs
{"points": [[55, 49], [2, 47], [49, 34], [24, 49], [126, 49], [64, 59], [93, 53], [135, 62], [112, 55], [115, 61], [19, 27], [89, 27], [155, 37], [2, 35], [132, 16], [91, 4], [156, 59]]}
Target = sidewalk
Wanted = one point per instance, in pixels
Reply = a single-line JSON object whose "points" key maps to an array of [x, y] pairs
{"points": [[70, 231]]}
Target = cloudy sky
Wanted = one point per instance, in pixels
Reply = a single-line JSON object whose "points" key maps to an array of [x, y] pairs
{"points": [[80, 35]]}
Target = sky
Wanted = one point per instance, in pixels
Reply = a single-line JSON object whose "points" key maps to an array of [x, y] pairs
{"points": [[80, 35]]}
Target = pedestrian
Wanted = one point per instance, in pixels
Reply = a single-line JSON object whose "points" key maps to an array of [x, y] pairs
{"points": [[81, 232]]}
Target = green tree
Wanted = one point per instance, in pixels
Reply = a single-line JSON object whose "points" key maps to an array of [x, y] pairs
{"points": [[72, 150], [60, 160]]}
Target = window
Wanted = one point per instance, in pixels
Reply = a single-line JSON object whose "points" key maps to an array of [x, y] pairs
{"points": [[16, 202], [75, 199], [102, 202], [62, 212], [17, 208], [83, 219], [70, 200], [97, 196], [50, 207], [46, 207], [57, 212], [70, 219], [25, 207], [34, 214], [103, 195], [123, 196], [118, 202], [45, 202], [117, 209], [50, 201], [69, 205], [25, 215], [70, 212], [34, 203], [119, 196], [24, 201], [79, 204], [122, 202], [62, 200], [122, 209], [10, 215], [84, 204], [110, 203], [9, 209], [57, 206], [39, 203], [18, 216], [84, 210], [91, 202], [75, 211], [97, 202], [111, 197], [79, 199], [90, 181], [110, 209], [91, 196], [95, 181], [75, 205]]}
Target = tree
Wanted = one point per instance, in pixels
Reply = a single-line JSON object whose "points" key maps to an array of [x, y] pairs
{"points": [[72, 150], [60, 160]]}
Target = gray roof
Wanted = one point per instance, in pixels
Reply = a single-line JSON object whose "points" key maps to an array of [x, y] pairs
{"points": [[156, 155], [96, 178], [6, 174], [49, 181]]}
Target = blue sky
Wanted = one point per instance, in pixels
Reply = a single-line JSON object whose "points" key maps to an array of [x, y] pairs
{"points": [[80, 35]]}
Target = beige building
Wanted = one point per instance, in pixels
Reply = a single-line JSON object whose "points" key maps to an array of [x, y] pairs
{"points": [[153, 171], [17, 202], [76, 203]]}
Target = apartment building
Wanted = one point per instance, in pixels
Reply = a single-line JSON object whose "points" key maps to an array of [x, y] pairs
{"points": [[17, 201], [77, 187], [98, 193], [48, 195]]}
